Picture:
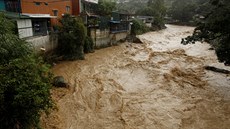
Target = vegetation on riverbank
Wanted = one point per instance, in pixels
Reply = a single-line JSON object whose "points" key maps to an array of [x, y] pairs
{"points": [[138, 27], [71, 39], [25, 81], [215, 29]]}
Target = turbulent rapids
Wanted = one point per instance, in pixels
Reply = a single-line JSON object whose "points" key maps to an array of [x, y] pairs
{"points": [[159, 84]]}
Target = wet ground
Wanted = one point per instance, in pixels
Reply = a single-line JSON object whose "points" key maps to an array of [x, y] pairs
{"points": [[159, 84]]}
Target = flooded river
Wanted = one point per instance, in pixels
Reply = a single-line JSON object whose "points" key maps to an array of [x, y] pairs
{"points": [[159, 84]]}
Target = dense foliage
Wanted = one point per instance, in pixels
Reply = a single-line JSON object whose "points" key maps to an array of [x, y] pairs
{"points": [[89, 45], [215, 29], [130, 7], [25, 85], [105, 7], [138, 27], [71, 38], [8, 47], [184, 11], [25, 82]]}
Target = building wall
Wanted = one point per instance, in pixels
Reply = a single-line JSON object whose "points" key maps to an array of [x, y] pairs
{"points": [[47, 7], [76, 7]]}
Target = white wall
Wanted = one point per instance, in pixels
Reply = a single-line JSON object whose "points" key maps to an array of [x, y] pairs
{"points": [[24, 28], [148, 24], [92, 1]]}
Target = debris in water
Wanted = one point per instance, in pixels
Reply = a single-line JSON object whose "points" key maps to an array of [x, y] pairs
{"points": [[214, 69]]}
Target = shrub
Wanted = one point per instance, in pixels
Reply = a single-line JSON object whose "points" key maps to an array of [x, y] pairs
{"points": [[71, 38], [25, 84], [89, 45], [138, 27], [11, 46]]}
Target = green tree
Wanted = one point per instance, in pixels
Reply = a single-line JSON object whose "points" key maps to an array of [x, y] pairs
{"points": [[105, 7], [183, 10], [25, 82], [71, 38], [130, 7], [157, 9], [138, 27], [215, 29]]}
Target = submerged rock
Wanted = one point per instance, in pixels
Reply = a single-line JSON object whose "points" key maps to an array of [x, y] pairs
{"points": [[59, 81]]}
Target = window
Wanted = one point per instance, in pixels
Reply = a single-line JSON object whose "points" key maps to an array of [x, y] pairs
{"points": [[39, 27], [67, 9], [37, 3], [55, 12], [46, 3]]}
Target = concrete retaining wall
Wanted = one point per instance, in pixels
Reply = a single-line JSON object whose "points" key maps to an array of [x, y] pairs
{"points": [[48, 42], [105, 38]]}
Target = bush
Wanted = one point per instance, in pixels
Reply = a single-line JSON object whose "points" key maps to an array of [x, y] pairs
{"points": [[71, 38], [25, 82], [158, 24], [89, 45], [11, 46], [138, 27]]}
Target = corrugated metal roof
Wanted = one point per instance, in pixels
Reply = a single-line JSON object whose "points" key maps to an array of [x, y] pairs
{"points": [[14, 15], [38, 15]]}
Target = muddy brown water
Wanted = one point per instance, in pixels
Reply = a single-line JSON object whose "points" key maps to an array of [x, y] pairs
{"points": [[159, 84]]}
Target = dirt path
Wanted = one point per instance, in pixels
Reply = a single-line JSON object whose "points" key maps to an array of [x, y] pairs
{"points": [[160, 84]]}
